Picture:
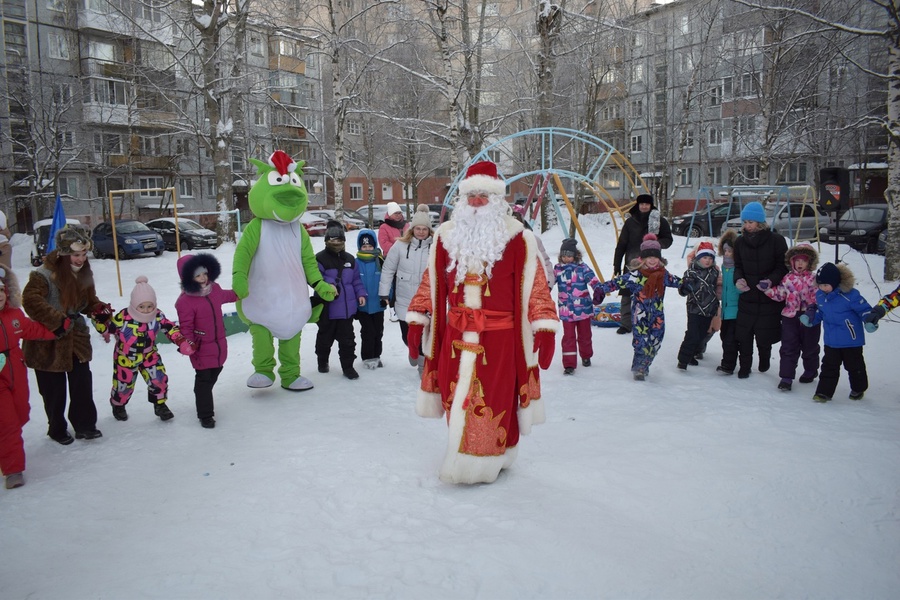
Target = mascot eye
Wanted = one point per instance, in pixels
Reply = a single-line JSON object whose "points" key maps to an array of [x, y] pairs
{"points": [[277, 179], [295, 180]]}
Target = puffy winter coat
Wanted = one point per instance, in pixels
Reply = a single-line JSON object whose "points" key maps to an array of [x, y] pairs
{"points": [[797, 291], [758, 256], [15, 326], [730, 295], [199, 315], [636, 226], [575, 282], [407, 262], [841, 312], [389, 232], [699, 285], [370, 264], [341, 271]]}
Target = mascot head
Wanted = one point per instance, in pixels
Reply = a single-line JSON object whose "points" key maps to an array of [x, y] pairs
{"points": [[278, 193]]}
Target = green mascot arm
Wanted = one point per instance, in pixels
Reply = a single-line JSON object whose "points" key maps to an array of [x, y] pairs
{"points": [[311, 269], [243, 256]]}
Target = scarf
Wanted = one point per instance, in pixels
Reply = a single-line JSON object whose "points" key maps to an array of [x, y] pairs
{"points": [[655, 282]]}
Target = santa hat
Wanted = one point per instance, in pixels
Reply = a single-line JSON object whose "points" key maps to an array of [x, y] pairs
{"points": [[70, 240], [482, 177], [705, 249], [422, 218], [141, 293], [650, 247]]}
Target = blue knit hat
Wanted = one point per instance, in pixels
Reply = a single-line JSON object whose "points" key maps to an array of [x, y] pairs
{"points": [[754, 211]]}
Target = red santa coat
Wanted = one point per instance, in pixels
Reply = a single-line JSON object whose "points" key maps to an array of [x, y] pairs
{"points": [[480, 367], [14, 408]]}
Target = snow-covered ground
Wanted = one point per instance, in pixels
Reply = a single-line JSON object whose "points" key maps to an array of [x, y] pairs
{"points": [[689, 485]]}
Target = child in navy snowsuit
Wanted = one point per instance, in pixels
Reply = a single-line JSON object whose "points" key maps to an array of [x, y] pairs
{"points": [[700, 284], [798, 292], [340, 269], [575, 281], [647, 281], [841, 309], [370, 314]]}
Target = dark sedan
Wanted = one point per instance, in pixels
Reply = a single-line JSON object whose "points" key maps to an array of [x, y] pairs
{"points": [[858, 228], [133, 238], [699, 225], [192, 234]]}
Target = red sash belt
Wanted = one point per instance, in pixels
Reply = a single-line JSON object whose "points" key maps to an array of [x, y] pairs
{"points": [[463, 318]]}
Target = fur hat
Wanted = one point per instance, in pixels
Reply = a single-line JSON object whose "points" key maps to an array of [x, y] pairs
{"points": [[334, 230], [727, 241], [10, 284], [569, 247], [754, 211], [188, 266], [705, 249], [650, 247], [70, 240], [644, 199], [805, 250], [422, 218], [482, 177], [392, 209], [829, 274], [141, 293]]}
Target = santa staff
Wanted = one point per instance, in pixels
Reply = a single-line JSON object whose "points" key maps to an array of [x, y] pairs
{"points": [[485, 315]]}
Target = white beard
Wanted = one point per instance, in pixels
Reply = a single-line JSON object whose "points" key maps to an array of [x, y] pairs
{"points": [[479, 237]]}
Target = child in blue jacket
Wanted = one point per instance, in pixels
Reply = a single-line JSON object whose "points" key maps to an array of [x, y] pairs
{"points": [[840, 308], [340, 269], [371, 314], [575, 281]]}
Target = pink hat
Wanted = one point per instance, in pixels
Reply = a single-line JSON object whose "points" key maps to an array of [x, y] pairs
{"points": [[482, 177], [141, 293], [650, 247]]}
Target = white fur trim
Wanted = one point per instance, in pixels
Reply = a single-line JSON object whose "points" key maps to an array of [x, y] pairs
{"points": [[531, 265], [482, 183], [546, 325], [429, 405], [417, 318], [533, 414]]}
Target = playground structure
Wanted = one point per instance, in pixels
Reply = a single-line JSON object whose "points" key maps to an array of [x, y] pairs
{"points": [[606, 171]]}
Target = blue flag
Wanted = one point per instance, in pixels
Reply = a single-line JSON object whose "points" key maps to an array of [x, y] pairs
{"points": [[59, 221]]}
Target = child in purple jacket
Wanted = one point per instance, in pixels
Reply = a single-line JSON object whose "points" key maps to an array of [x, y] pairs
{"points": [[575, 281], [200, 314], [339, 268]]}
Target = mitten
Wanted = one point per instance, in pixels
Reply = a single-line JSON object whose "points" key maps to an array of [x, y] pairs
{"points": [[106, 336], [325, 290], [874, 315], [741, 285], [383, 301], [2, 360], [414, 339], [870, 326], [186, 347], [62, 329], [805, 320], [101, 312], [544, 346], [764, 285], [599, 296]]}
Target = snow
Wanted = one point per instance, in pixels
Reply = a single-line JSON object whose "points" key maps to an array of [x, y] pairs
{"points": [[688, 485]]}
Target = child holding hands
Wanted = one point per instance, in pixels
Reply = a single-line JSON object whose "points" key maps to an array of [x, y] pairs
{"points": [[575, 281], [883, 307], [700, 284], [200, 316], [135, 329]]}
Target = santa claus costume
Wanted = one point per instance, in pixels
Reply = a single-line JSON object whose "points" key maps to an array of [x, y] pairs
{"points": [[485, 315]]}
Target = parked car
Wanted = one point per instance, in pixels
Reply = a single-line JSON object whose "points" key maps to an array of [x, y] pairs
{"points": [[315, 226], [352, 219], [859, 227], [438, 209], [378, 211], [699, 226], [806, 217], [191, 234], [882, 242], [133, 238], [42, 237]]}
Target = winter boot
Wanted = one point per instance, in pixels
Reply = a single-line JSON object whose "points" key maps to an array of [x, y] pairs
{"points": [[742, 374], [821, 398], [639, 376], [65, 439], [93, 434], [14, 480], [808, 377], [698, 356], [350, 373], [120, 413], [208, 423], [585, 362], [162, 411], [622, 331], [765, 361], [784, 385], [682, 366], [856, 395], [371, 363], [723, 371], [323, 367], [569, 371]]}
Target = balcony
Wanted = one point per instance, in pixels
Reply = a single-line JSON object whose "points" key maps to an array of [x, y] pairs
{"points": [[108, 114], [279, 62], [112, 21]]}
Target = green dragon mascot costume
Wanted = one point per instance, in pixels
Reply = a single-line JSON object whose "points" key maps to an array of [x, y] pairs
{"points": [[274, 262]]}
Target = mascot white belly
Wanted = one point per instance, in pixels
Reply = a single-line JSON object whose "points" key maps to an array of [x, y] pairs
{"points": [[281, 303]]}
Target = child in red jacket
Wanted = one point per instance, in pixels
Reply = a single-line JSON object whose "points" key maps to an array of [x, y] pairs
{"points": [[14, 407]]}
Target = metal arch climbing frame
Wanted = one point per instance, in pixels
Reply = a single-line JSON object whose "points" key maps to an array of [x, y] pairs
{"points": [[552, 167]]}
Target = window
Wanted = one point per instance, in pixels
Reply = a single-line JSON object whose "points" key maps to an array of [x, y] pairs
{"points": [[211, 187], [714, 176], [256, 46], [749, 85], [661, 103], [353, 127], [637, 73], [58, 48], [610, 111], [686, 176], [185, 188], [637, 108], [744, 125], [637, 143], [748, 173], [102, 51], [715, 96], [62, 94], [727, 87], [689, 137], [387, 191], [237, 160], [609, 76], [108, 143], [148, 10], [715, 136], [65, 139], [150, 145], [108, 91], [794, 172], [494, 156], [685, 25], [56, 5], [147, 183], [182, 146], [356, 191], [685, 61], [259, 116], [492, 10], [67, 186]]}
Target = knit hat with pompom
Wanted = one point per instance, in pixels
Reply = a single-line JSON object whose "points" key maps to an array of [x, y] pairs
{"points": [[650, 247], [141, 293]]}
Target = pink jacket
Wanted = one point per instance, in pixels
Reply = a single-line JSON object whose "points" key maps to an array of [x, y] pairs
{"points": [[797, 291], [388, 234]]}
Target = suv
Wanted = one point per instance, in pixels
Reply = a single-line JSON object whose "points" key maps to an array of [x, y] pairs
{"points": [[718, 213], [859, 227], [191, 234], [789, 218]]}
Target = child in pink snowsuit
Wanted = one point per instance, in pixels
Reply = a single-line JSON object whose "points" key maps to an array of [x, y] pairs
{"points": [[136, 329], [575, 281]]}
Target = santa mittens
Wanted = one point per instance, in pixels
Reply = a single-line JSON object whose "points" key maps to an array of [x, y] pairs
{"points": [[544, 347], [414, 339]]}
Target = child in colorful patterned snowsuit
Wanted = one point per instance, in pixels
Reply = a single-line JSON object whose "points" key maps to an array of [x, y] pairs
{"points": [[370, 315], [575, 281], [728, 305], [200, 319], [700, 284], [881, 308], [136, 329], [647, 280], [14, 407], [798, 292], [841, 309]]}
